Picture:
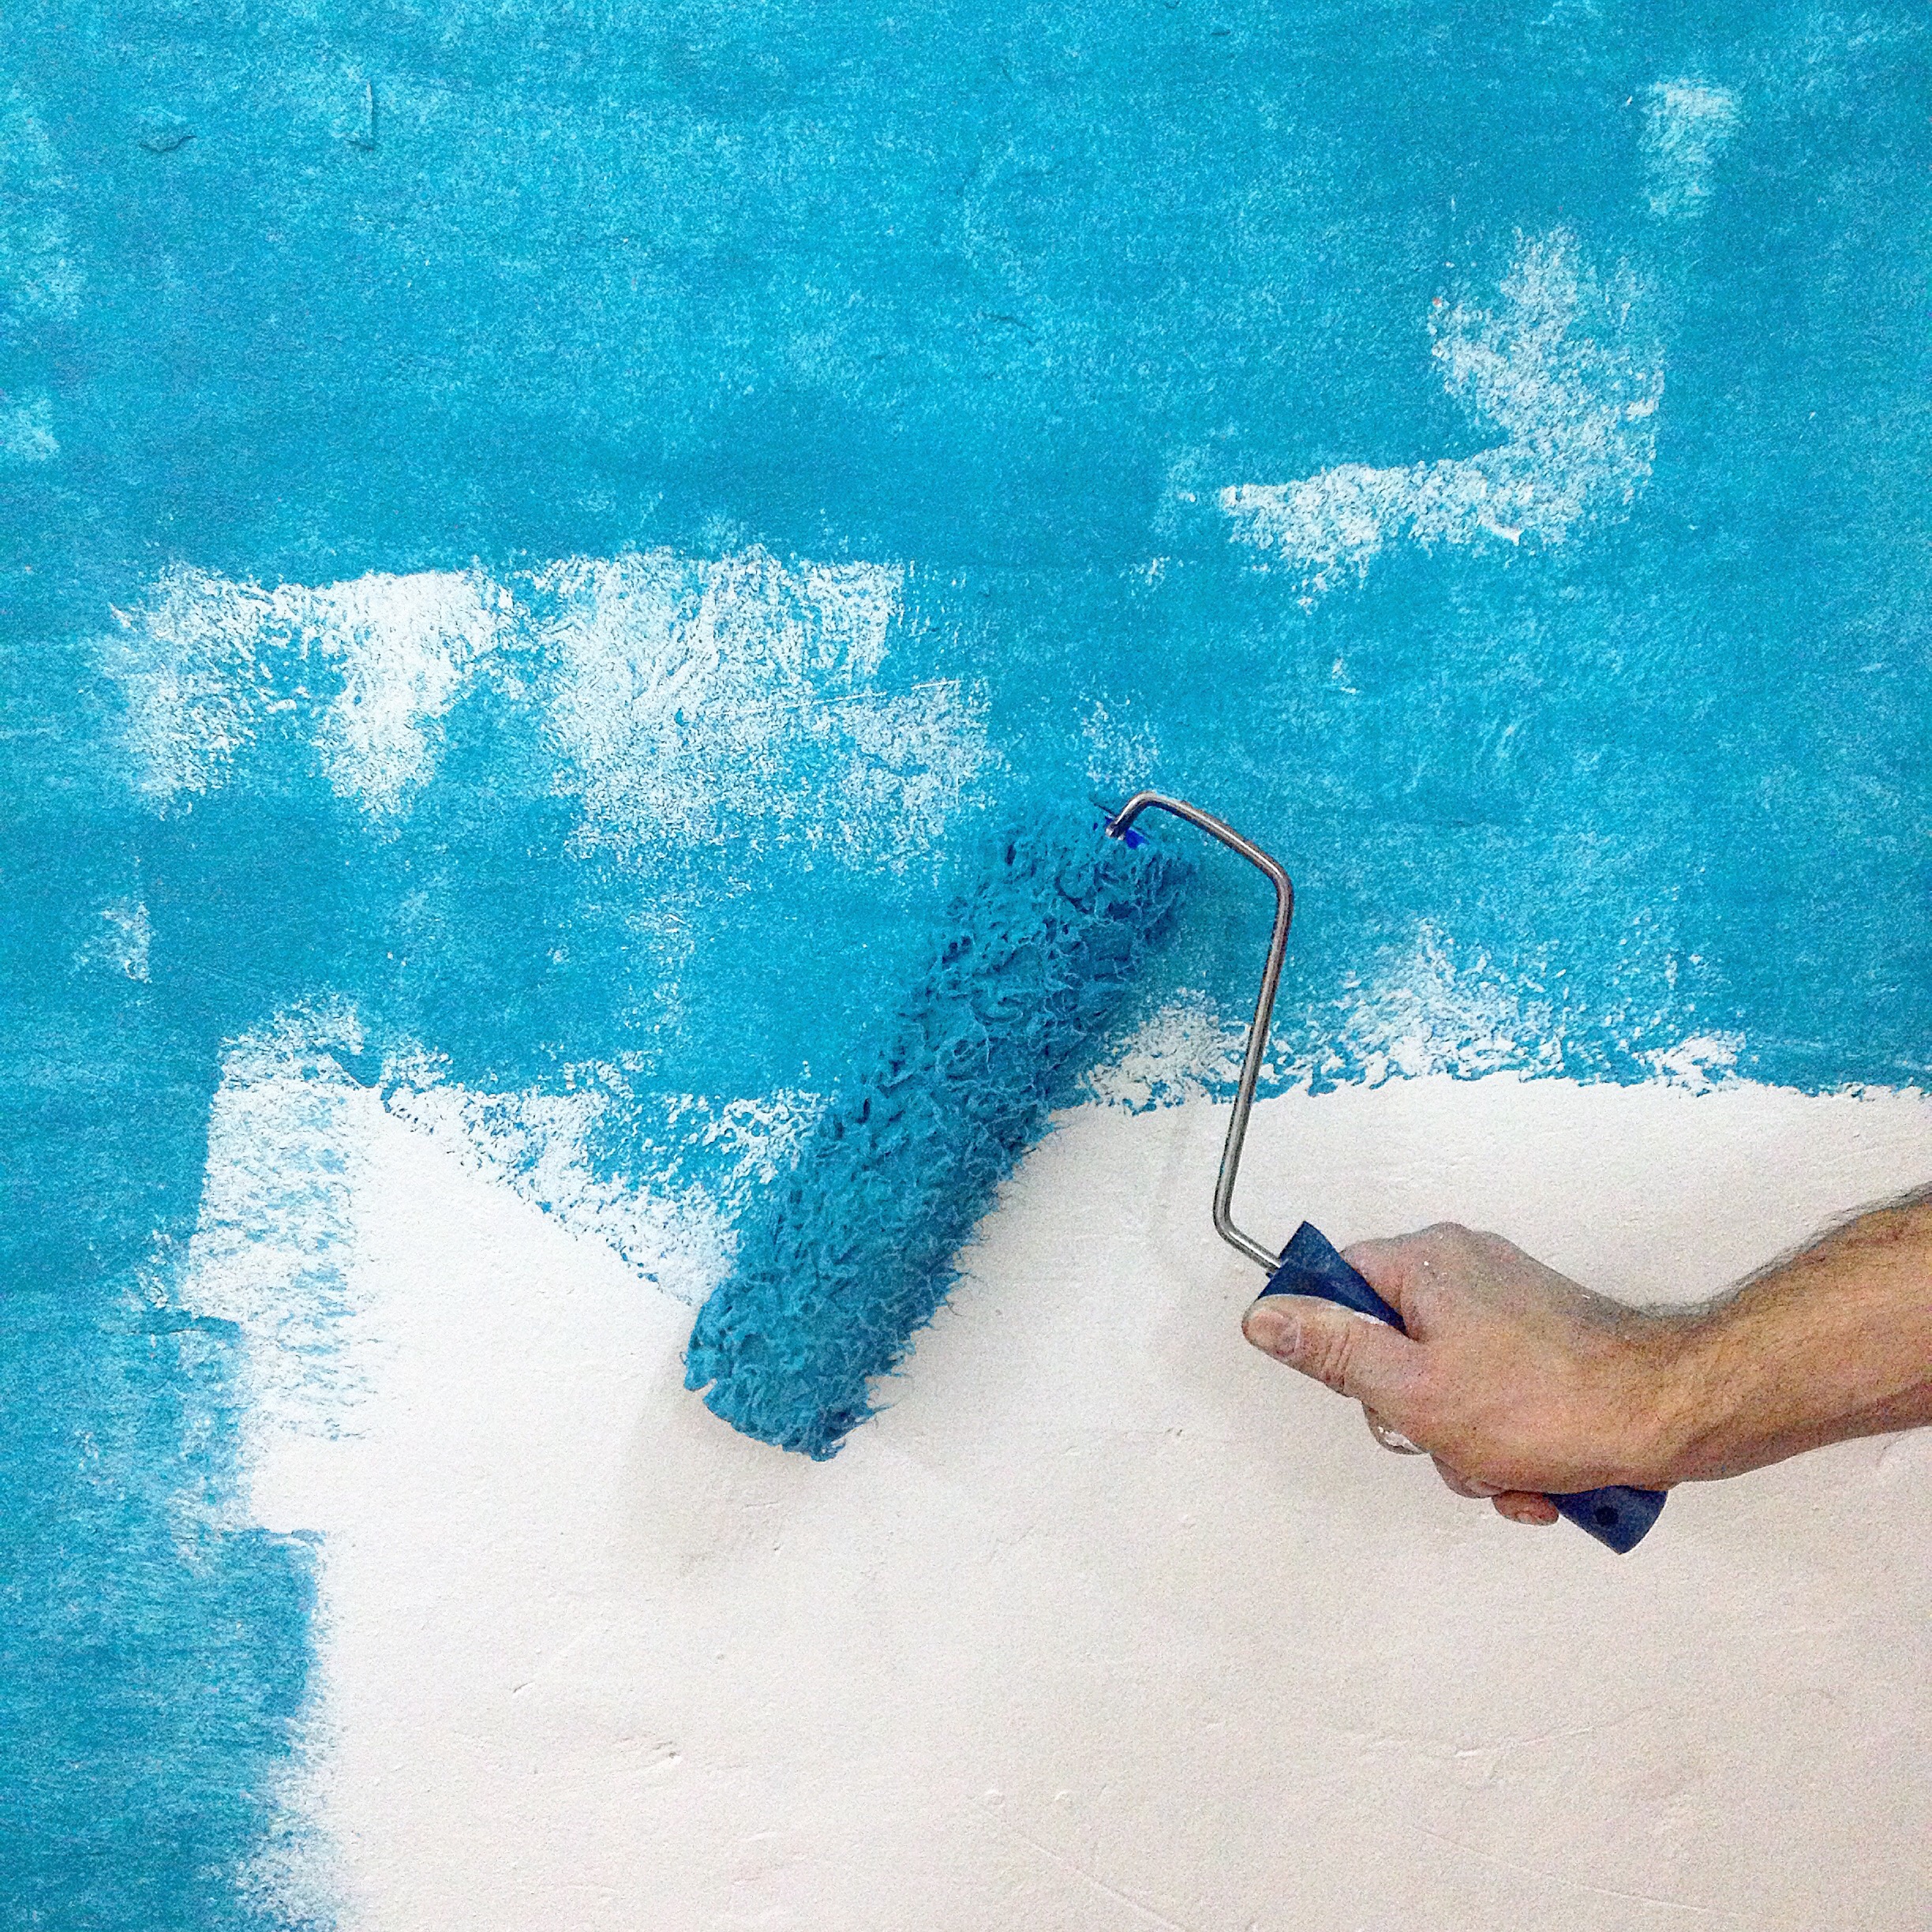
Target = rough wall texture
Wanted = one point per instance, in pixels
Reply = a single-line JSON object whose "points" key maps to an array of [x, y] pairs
{"points": [[533, 538]]}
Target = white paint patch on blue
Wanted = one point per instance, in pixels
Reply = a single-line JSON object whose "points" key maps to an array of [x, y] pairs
{"points": [[1700, 1062], [1429, 1008], [1687, 125], [187, 666], [691, 696], [205, 662], [1185, 1049], [123, 941], [270, 1249], [404, 646], [682, 698], [1566, 364], [130, 934], [1430, 1012]]}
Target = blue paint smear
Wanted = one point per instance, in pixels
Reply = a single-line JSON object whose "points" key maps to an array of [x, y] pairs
{"points": [[1004, 295]]}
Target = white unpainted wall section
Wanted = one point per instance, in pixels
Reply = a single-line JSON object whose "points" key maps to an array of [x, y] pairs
{"points": [[1108, 1622]]}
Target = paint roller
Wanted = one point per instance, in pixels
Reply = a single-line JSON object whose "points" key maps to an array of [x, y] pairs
{"points": [[855, 1251], [843, 1260]]}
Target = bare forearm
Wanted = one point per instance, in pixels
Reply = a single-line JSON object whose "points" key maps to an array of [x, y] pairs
{"points": [[1833, 1343]]}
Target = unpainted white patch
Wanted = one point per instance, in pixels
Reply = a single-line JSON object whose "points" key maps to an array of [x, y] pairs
{"points": [[758, 1137], [1687, 125], [130, 933], [1564, 363], [288, 1131], [1437, 1008], [899, 766], [188, 662], [294, 1875], [26, 431], [586, 1660], [684, 699], [1699, 1061], [1428, 1013], [693, 697], [203, 661], [404, 645], [1183, 1050]]}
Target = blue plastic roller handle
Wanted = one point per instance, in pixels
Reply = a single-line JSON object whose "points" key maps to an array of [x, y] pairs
{"points": [[1618, 1517]]}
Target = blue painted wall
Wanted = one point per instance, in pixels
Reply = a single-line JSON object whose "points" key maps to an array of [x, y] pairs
{"points": [[1006, 296]]}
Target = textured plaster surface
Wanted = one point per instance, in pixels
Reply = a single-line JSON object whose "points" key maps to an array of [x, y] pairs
{"points": [[1106, 1622], [536, 538]]}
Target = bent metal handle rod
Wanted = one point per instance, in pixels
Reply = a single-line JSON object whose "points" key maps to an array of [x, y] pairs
{"points": [[1117, 827]]}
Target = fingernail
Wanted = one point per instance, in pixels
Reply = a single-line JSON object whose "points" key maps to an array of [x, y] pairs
{"points": [[1525, 1513], [1273, 1330]]}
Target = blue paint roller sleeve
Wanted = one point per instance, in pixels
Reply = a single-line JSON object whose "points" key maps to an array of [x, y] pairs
{"points": [[854, 1251], [1617, 1516]]}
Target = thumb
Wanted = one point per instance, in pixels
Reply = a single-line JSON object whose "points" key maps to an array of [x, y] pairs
{"points": [[1353, 1354]]}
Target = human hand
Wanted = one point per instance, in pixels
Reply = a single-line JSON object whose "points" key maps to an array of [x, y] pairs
{"points": [[1516, 1380]]}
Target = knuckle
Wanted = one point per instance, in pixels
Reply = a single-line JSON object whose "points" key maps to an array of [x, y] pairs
{"points": [[1446, 1246]]}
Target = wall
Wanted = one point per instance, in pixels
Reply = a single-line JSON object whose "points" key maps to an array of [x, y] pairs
{"points": [[1104, 1623], [539, 543]]}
